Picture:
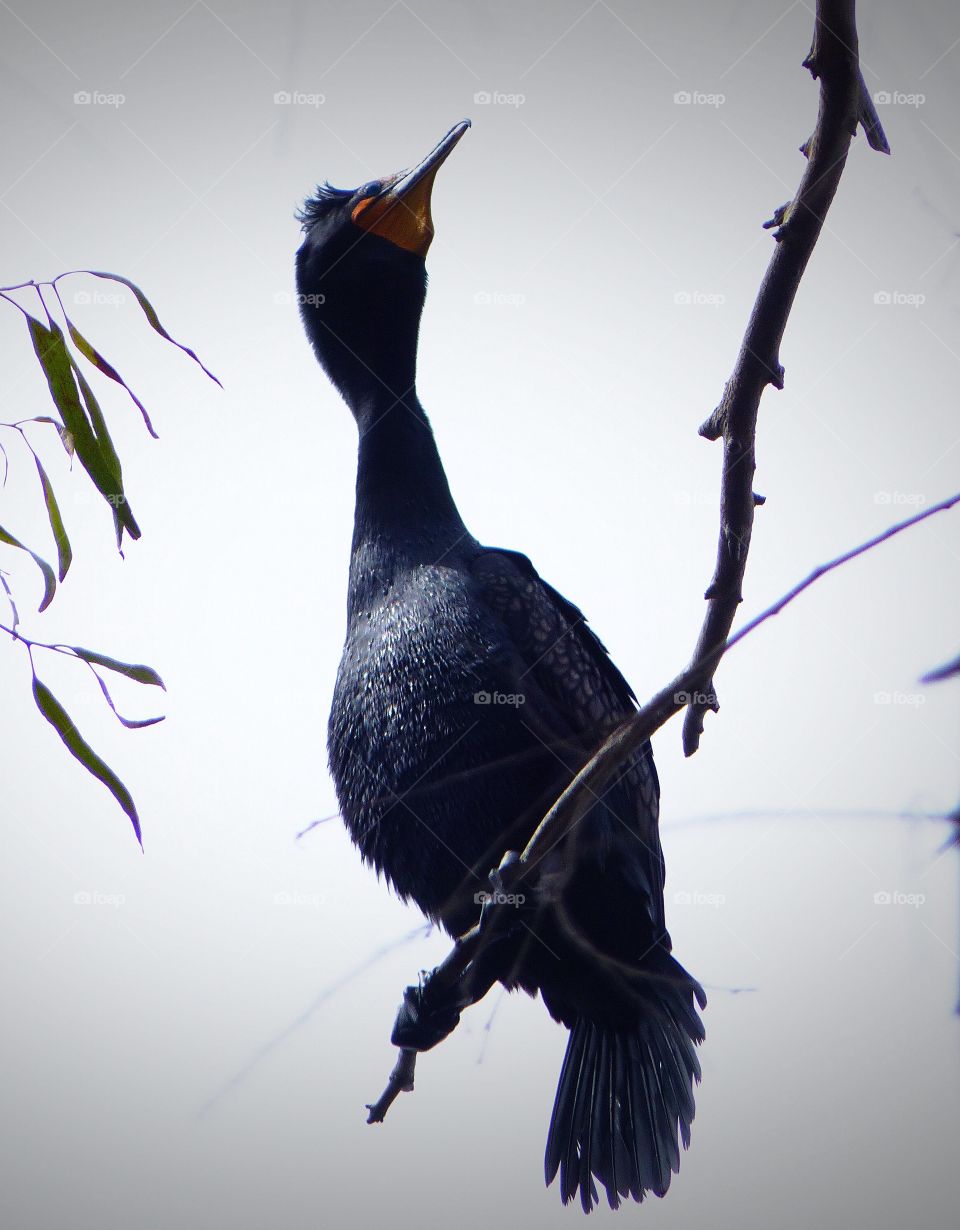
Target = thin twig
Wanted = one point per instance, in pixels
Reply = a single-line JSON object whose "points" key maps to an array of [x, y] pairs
{"points": [[631, 735], [948, 671], [399, 1081]]}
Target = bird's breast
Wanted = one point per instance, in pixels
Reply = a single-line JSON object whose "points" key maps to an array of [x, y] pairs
{"points": [[429, 773]]}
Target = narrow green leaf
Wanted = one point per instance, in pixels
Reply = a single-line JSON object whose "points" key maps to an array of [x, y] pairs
{"points": [[56, 367], [130, 723], [122, 514], [150, 313], [49, 576], [64, 552], [132, 670], [60, 720], [91, 353], [93, 447]]}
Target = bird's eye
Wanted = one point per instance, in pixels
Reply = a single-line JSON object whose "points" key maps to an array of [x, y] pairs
{"points": [[371, 189]]}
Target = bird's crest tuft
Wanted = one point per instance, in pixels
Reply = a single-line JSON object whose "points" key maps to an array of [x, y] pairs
{"points": [[318, 206]]}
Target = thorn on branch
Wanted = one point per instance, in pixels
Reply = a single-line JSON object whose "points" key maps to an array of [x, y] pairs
{"points": [[718, 589], [867, 116], [779, 216], [812, 62]]}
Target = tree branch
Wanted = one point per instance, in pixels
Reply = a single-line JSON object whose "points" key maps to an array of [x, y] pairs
{"points": [[460, 980], [431, 1010], [844, 102], [629, 737]]}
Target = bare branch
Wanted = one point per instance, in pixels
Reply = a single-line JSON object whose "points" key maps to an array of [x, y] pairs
{"points": [[399, 1081], [629, 737], [432, 1010], [844, 101]]}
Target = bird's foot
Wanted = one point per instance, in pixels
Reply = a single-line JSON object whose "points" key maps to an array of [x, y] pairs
{"points": [[426, 1016]]}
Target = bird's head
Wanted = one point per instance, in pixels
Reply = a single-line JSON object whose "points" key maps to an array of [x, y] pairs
{"points": [[361, 277]]}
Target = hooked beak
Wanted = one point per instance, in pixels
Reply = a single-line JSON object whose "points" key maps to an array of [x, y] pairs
{"points": [[402, 213]]}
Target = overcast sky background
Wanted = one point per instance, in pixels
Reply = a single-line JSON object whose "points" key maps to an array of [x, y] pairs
{"points": [[168, 1053]]}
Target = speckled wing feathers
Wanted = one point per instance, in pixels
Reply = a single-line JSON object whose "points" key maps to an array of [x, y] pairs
{"points": [[568, 665]]}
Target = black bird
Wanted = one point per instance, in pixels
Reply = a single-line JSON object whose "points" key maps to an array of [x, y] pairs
{"points": [[469, 694]]}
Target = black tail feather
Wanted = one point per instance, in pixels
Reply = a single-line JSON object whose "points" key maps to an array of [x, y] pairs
{"points": [[624, 1094], [578, 1106], [626, 1171], [601, 1135]]}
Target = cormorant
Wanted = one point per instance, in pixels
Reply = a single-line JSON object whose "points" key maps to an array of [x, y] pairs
{"points": [[469, 694]]}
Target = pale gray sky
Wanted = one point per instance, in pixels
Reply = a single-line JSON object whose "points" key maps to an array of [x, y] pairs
{"points": [[565, 375]]}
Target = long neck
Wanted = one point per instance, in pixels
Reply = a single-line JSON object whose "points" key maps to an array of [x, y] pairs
{"points": [[404, 506]]}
